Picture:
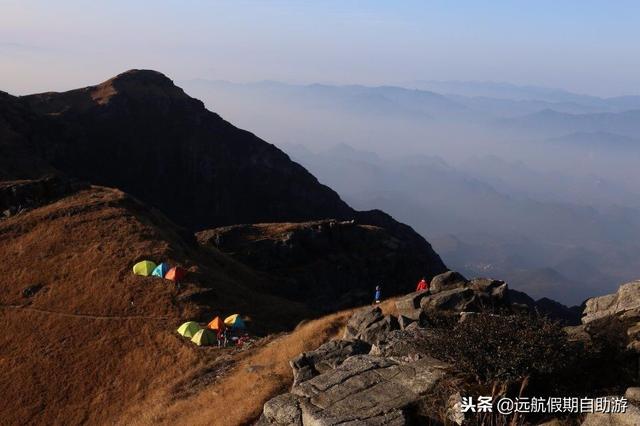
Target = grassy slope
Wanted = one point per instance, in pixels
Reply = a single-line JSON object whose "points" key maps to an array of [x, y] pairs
{"points": [[238, 397], [79, 351]]}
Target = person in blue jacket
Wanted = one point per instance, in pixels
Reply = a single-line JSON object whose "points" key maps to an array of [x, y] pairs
{"points": [[378, 294]]}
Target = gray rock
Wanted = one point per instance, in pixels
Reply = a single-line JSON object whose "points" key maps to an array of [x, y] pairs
{"points": [[625, 302], [454, 409], [457, 299], [362, 320], [578, 333], [629, 418], [404, 322], [409, 305], [370, 325], [466, 315], [282, 410], [633, 394], [367, 390], [447, 281], [328, 356], [407, 344]]}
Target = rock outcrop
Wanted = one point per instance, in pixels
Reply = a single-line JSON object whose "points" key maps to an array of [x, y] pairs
{"points": [[369, 325], [363, 390], [453, 292], [624, 303], [328, 356], [380, 372]]}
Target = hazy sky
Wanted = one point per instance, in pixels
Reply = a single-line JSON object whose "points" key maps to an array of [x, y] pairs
{"points": [[581, 45]]}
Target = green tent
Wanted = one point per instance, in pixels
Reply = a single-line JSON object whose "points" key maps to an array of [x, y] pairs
{"points": [[204, 337], [188, 329], [144, 268]]}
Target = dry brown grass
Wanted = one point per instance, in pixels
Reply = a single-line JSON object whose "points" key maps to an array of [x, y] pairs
{"points": [[97, 340], [257, 377], [80, 353]]}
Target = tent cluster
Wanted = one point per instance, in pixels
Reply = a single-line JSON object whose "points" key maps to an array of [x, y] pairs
{"points": [[213, 332], [148, 268]]}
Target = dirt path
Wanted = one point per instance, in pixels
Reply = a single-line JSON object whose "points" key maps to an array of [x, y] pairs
{"points": [[89, 316]]}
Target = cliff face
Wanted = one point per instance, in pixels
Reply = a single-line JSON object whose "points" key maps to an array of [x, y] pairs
{"points": [[328, 264], [142, 134]]}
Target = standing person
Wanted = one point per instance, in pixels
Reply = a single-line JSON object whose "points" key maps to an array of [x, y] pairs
{"points": [[423, 285], [225, 336], [220, 336], [378, 294]]}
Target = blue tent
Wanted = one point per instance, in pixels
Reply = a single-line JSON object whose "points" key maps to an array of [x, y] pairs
{"points": [[161, 270]]}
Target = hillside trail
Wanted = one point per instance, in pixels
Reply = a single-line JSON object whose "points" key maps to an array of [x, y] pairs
{"points": [[85, 316], [255, 378]]}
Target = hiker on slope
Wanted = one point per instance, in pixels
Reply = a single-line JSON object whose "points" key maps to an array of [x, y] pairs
{"points": [[423, 285], [377, 297]]}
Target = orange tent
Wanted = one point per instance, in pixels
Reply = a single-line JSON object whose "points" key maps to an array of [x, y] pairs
{"points": [[176, 274], [216, 324]]}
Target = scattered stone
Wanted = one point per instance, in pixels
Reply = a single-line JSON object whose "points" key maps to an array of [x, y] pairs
{"points": [[466, 315], [454, 409], [404, 322]]}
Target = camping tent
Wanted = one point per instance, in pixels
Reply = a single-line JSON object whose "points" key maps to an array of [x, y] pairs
{"points": [[216, 324], [188, 329], [161, 270], [204, 337], [234, 321], [145, 268], [176, 274]]}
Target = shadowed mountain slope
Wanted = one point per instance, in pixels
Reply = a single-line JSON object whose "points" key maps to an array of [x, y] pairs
{"points": [[144, 135]]}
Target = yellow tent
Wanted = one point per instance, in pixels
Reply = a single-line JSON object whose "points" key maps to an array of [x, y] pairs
{"points": [[204, 337], [144, 268], [189, 329], [231, 319]]}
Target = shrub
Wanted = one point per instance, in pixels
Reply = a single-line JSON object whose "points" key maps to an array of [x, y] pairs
{"points": [[504, 348]]}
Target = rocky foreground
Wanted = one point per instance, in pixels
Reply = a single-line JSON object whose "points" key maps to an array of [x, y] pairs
{"points": [[383, 372]]}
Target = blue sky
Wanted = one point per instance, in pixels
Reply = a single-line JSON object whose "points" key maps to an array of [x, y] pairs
{"points": [[584, 46]]}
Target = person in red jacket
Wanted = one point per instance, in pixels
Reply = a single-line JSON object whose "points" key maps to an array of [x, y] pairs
{"points": [[423, 285]]}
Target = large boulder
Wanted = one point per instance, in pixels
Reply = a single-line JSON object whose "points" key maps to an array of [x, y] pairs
{"points": [[282, 410], [370, 325], [447, 281], [367, 390], [625, 303], [631, 417], [405, 345], [328, 356], [455, 299], [409, 305]]}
